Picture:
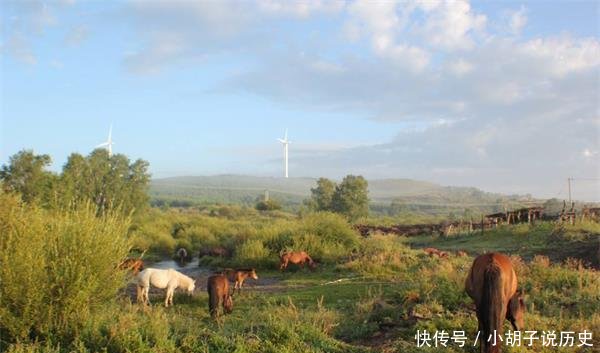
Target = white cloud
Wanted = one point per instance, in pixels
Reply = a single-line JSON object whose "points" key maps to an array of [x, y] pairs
{"points": [[450, 24], [517, 20]]}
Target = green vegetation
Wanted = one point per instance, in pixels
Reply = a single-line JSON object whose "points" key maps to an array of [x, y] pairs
{"points": [[349, 198], [389, 197], [372, 301], [58, 268], [61, 290], [107, 182], [556, 241]]}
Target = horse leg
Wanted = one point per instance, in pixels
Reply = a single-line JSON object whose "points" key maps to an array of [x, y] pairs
{"points": [[169, 293], [145, 296]]}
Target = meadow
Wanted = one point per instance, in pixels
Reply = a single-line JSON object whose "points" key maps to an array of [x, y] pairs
{"points": [[62, 293]]}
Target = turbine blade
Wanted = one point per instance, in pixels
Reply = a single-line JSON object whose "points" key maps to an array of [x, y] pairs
{"points": [[102, 145], [280, 140], [285, 138], [110, 133]]}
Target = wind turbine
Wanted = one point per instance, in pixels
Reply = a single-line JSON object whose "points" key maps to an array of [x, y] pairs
{"points": [[108, 144], [285, 143]]}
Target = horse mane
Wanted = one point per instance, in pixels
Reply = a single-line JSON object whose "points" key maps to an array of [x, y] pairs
{"points": [[185, 278], [491, 306], [249, 269]]}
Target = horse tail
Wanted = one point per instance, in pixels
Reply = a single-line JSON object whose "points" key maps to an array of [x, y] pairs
{"points": [[491, 306]]}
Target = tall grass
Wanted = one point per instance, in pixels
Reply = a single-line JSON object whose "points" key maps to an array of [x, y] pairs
{"points": [[58, 267]]}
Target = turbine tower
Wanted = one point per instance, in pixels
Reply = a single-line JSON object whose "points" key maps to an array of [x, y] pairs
{"points": [[285, 143], [108, 144]]}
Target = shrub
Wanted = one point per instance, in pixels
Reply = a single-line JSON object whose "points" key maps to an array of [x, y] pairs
{"points": [[61, 267], [253, 253]]}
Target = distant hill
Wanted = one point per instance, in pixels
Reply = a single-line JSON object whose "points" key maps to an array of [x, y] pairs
{"points": [[399, 194]]}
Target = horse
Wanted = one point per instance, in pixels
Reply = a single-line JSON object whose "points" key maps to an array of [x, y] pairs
{"points": [[431, 251], [434, 251], [182, 255], [295, 257], [238, 276], [135, 265], [492, 284], [218, 293], [169, 279]]}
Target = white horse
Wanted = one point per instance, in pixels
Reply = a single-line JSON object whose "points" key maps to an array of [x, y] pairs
{"points": [[169, 279]]}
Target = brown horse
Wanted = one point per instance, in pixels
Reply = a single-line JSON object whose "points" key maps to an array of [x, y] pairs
{"points": [[431, 251], [492, 284], [296, 257], [135, 265], [461, 253], [238, 276], [218, 293], [434, 251]]}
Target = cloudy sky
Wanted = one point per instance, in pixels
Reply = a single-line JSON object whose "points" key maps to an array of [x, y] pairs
{"points": [[499, 95]]}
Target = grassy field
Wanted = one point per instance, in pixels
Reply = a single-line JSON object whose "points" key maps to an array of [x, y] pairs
{"points": [[556, 241], [367, 295]]}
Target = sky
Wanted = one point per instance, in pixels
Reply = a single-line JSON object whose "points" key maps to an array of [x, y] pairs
{"points": [[500, 95]]}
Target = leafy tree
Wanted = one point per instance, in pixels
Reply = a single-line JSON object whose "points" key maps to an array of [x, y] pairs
{"points": [[108, 182], [351, 197], [26, 174], [322, 196]]}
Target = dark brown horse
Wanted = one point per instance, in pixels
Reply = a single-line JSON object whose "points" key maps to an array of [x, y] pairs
{"points": [[218, 293], [492, 284], [296, 257], [238, 276]]}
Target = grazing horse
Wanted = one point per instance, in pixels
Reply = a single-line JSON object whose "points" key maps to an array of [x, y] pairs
{"points": [[238, 276], [295, 257], [461, 253], [169, 279], [431, 251], [218, 293], [182, 255], [492, 284], [434, 251], [135, 265]]}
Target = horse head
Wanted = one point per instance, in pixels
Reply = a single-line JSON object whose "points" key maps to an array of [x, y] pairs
{"points": [[191, 287], [253, 274], [516, 308]]}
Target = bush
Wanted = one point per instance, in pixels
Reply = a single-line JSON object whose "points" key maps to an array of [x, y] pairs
{"points": [[61, 267], [253, 253]]}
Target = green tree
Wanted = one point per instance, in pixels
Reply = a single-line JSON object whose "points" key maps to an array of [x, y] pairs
{"points": [[322, 196], [108, 182], [351, 197], [26, 174]]}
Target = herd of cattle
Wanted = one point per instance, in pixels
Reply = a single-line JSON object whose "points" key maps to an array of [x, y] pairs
{"points": [[490, 221]]}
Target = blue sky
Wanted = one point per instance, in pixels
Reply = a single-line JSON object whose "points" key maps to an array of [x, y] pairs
{"points": [[498, 95]]}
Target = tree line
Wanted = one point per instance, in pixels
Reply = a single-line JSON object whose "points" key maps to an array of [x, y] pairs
{"points": [[349, 197], [108, 182]]}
